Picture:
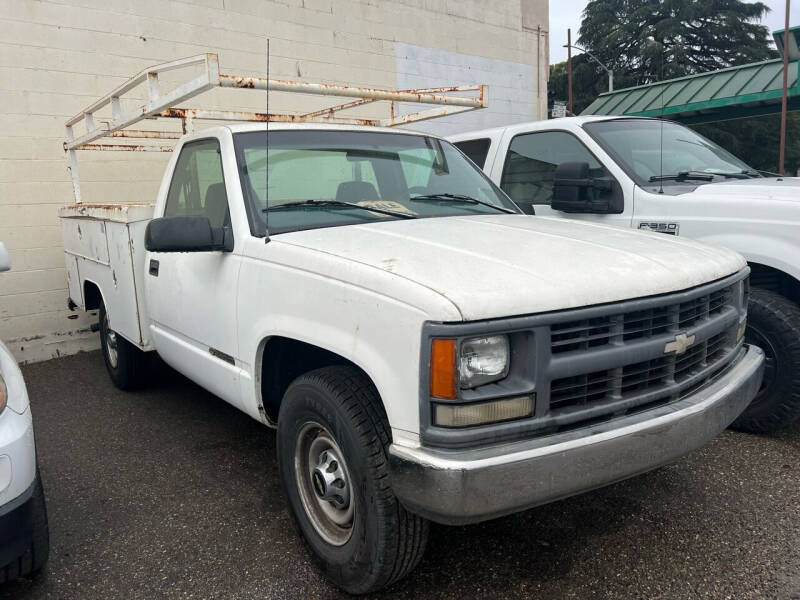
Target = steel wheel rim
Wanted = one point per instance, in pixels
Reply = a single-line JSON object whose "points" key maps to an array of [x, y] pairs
{"points": [[324, 484], [111, 344], [755, 337]]}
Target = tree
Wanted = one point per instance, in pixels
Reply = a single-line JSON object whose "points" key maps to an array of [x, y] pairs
{"points": [[588, 81], [652, 40], [645, 41]]}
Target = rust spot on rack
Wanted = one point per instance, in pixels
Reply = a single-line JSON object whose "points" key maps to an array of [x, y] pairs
{"points": [[126, 147], [145, 134]]}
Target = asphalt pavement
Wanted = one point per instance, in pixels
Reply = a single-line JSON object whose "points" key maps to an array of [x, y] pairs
{"points": [[170, 493]]}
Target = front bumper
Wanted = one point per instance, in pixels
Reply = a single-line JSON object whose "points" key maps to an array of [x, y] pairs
{"points": [[467, 486], [17, 520]]}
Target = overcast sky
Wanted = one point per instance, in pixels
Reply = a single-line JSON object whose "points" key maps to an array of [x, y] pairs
{"points": [[567, 13]]}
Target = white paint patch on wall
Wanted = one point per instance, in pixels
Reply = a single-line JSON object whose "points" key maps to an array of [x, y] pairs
{"points": [[513, 97]]}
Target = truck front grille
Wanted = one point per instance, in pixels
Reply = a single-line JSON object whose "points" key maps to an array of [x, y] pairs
{"points": [[649, 366], [633, 379], [583, 334]]}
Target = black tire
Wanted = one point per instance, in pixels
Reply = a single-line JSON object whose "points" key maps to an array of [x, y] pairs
{"points": [[773, 324], [125, 363], [35, 557], [385, 541]]}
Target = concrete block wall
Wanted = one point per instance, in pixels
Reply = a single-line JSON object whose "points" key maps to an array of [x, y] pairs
{"points": [[57, 56]]}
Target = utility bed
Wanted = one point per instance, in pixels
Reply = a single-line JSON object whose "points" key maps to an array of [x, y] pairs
{"points": [[104, 244]]}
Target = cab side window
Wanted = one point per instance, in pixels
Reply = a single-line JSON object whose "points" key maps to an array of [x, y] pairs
{"points": [[476, 150], [531, 164], [198, 186]]}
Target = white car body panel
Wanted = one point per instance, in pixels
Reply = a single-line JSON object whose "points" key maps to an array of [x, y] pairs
{"points": [[17, 449], [757, 218], [548, 264]]}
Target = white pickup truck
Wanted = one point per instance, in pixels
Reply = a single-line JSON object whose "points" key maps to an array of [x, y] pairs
{"points": [[640, 173], [425, 350]]}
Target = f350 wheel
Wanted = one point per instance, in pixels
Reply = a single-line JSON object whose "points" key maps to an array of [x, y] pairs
{"points": [[773, 324], [332, 443], [125, 363]]}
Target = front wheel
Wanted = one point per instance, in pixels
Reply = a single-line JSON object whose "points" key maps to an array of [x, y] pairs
{"points": [[773, 324], [125, 363], [332, 442]]}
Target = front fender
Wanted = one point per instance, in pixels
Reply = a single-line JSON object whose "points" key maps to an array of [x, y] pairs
{"points": [[378, 333], [778, 251]]}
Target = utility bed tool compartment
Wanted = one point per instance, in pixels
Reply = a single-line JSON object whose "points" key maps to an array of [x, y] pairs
{"points": [[104, 246]]}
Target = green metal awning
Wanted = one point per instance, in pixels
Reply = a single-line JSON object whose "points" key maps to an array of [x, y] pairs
{"points": [[732, 93]]}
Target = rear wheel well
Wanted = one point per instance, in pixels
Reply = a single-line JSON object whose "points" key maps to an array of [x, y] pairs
{"points": [[284, 360], [91, 296], [770, 278]]}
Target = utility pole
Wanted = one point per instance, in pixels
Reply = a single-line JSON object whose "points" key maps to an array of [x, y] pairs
{"points": [[569, 71], [782, 159]]}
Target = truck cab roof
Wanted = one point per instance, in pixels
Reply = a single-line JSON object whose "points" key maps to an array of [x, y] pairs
{"points": [[562, 123]]}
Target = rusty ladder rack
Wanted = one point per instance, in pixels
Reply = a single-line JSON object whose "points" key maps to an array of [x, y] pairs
{"points": [[162, 104]]}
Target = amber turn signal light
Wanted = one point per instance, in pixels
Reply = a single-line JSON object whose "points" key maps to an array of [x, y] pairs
{"points": [[443, 369]]}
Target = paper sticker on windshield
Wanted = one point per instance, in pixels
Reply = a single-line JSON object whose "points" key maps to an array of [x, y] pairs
{"points": [[387, 205], [668, 228]]}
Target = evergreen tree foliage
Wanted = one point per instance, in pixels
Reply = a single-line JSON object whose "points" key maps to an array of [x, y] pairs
{"points": [[645, 41]]}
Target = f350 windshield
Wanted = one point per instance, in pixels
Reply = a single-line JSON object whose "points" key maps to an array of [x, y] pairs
{"points": [[320, 178], [682, 155]]}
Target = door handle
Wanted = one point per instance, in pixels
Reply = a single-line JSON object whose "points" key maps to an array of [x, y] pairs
{"points": [[153, 267]]}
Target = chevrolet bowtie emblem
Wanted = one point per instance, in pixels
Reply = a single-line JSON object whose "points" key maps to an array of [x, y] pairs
{"points": [[680, 345]]}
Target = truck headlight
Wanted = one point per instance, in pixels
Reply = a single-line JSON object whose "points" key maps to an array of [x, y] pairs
{"points": [[483, 360], [475, 361]]}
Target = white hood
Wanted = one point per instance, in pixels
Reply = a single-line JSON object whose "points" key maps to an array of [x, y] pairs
{"points": [[784, 189], [505, 265]]}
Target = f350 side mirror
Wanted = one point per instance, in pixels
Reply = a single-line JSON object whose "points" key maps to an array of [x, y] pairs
{"points": [[187, 234], [575, 191], [5, 261]]}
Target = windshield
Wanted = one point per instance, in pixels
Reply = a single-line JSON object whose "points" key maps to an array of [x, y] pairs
{"points": [[637, 145], [325, 178]]}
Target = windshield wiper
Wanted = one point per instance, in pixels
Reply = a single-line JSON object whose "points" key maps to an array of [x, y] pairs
{"points": [[737, 175], [753, 173], [463, 198], [383, 211], [684, 176]]}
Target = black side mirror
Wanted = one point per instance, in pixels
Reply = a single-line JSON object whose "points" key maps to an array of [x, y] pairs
{"points": [[187, 234], [575, 191]]}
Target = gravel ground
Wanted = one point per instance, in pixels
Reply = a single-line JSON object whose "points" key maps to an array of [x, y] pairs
{"points": [[171, 493]]}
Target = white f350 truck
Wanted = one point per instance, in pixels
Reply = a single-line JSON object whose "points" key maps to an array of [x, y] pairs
{"points": [[424, 349], [664, 177]]}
